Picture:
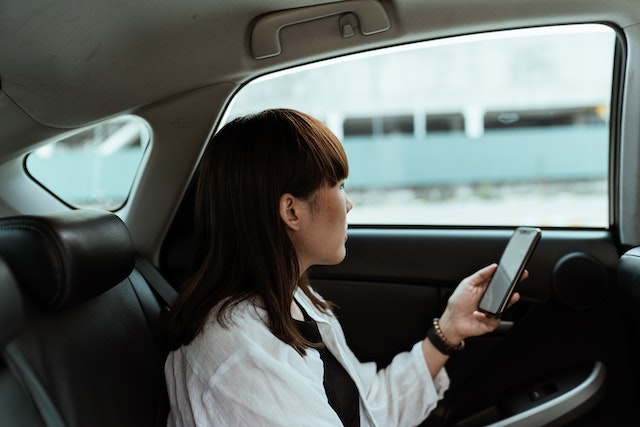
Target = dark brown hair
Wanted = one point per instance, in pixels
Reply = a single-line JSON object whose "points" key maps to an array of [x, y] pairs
{"points": [[242, 246]]}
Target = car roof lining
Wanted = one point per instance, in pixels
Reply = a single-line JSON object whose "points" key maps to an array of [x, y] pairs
{"points": [[104, 62], [108, 63]]}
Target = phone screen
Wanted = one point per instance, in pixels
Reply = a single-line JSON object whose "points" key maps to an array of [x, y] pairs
{"points": [[510, 268]]}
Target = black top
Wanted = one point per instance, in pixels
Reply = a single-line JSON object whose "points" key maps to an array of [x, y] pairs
{"points": [[341, 390]]}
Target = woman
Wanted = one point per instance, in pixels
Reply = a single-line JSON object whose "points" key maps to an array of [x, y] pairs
{"points": [[252, 343]]}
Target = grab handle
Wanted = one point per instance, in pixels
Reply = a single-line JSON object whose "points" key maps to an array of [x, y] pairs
{"points": [[265, 38]]}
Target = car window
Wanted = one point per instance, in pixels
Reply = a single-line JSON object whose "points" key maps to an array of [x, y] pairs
{"points": [[503, 128], [95, 167]]}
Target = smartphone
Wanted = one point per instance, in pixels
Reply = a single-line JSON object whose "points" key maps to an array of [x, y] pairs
{"points": [[510, 268]]}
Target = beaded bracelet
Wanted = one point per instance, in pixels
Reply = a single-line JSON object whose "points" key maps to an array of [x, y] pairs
{"points": [[439, 341]]}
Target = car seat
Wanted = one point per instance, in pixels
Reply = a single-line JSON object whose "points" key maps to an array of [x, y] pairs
{"points": [[16, 407], [91, 351]]}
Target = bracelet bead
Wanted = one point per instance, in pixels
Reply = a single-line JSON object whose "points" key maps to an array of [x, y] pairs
{"points": [[440, 341]]}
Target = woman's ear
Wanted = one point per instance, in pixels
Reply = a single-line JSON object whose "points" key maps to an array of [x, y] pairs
{"points": [[288, 210]]}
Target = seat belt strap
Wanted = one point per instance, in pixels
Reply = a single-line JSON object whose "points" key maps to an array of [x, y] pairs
{"points": [[158, 283]]}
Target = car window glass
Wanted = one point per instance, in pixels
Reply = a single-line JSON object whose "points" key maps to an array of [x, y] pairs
{"points": [[95, 167], [503, 128]]}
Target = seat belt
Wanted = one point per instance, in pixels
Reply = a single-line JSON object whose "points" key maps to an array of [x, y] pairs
{"points": [[152, 288], [158, 283], [155, 294]]}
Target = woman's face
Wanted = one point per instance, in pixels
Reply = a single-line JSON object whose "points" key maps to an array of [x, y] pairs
{"points": [[321, 237]]}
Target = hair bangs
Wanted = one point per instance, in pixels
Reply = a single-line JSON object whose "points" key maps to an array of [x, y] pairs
{"points": [[327, 155]]}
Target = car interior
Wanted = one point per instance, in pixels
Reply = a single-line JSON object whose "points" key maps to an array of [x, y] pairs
{"points": [[90, 338], [86, 277]]}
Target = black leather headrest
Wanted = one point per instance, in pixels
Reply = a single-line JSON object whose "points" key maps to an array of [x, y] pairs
{"points": [[11, 314], [65, 258], [629, 271]]}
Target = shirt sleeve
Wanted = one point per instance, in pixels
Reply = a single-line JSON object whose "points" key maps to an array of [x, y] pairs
{"points": [[251, 389], [402, 394]]}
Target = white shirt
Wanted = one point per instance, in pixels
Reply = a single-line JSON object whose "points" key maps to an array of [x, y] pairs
{"points": [[243, 375]]}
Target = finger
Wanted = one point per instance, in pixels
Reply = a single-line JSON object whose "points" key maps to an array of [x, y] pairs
{"points": [[482, 276], [491, 322], [524, 275], [515, 297], [480, 316]]}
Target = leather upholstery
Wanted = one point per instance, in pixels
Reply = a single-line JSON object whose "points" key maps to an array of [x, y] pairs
{"points": [[87, 354], [629, 282], [11, 311], [16, 407], [629, 272], [66, 258]]}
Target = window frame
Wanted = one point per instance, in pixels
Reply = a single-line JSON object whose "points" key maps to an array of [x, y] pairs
{"points": [[146, 134], [618, 64]]}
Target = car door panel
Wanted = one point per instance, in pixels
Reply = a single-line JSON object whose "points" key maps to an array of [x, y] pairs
{"points": [[393, 282]]}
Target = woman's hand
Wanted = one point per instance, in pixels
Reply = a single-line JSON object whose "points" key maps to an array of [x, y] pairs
{"points": [[461, 319]]}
